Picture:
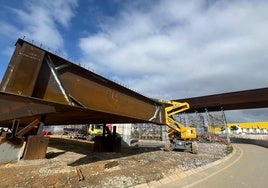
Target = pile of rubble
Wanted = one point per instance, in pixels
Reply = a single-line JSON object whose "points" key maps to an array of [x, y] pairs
{"points": [[66, 159]]}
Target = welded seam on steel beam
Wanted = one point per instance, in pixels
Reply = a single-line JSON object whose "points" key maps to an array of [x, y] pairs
{"points": [[56, 77]]}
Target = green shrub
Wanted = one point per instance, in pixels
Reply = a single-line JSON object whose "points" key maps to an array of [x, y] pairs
{"points": [[229, 149]]}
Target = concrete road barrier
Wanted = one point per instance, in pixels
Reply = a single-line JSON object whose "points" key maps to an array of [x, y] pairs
{"points": [[263, 143]]}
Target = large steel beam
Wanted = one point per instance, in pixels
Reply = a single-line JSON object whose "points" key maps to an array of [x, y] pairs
{"points": [[71, 94], [248, 99], [38, 83], [28, 109]]}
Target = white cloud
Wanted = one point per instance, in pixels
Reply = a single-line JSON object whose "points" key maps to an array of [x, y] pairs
{"points": [[195, 48], [178, 49], [40, 21], [7, 29], [96, 44], [62, 10]]}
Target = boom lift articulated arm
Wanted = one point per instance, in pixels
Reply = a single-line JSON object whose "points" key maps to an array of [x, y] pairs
{"points": [[181, 136]]}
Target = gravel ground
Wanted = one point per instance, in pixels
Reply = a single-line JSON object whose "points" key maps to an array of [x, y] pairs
{"points": [[132, 166]]}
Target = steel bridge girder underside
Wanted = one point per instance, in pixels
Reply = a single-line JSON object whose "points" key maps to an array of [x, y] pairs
{"points": [[37, 79]]}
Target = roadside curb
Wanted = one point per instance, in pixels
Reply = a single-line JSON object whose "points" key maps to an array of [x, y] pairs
{"points": [[184, 174]]}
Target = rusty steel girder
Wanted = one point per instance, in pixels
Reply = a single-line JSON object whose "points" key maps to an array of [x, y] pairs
{"points": [[248, 99], [38, 83]]}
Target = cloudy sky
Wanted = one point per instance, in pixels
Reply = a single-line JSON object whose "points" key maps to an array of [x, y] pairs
{"points": [[162, 49]]}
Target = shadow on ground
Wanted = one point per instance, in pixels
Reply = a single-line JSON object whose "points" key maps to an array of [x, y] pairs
{"points": [[86, 148]]}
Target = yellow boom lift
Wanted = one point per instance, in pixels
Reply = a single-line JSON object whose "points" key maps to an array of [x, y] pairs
{"points": [[180, 136]]}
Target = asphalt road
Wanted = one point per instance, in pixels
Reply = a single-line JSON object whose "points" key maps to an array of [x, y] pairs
{"points": [[248, 167]]}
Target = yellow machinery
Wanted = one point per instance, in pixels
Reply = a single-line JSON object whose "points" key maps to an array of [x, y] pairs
{"points": [[94, 130], [180, 136]]}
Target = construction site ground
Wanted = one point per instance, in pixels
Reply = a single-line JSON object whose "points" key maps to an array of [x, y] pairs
{"points": [[133, 166]]}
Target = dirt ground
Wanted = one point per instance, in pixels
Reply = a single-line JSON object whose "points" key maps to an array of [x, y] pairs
{"points": [[132, 166]]}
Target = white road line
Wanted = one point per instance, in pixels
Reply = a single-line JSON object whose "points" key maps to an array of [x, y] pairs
{"points": [[214, 173]]}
